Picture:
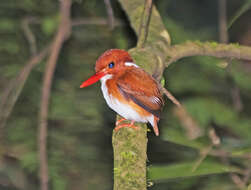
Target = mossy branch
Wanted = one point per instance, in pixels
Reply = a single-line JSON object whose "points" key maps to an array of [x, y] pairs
{"points": [[188, 49], [130, 146]]}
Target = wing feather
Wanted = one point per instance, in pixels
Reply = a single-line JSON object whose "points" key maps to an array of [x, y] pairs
{"points": [[146, 93]]}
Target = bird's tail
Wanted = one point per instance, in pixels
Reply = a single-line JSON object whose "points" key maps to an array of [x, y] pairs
{"points": [[155, 126]]}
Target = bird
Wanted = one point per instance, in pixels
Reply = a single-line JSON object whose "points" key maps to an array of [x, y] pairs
{"points": [[128, 89]]}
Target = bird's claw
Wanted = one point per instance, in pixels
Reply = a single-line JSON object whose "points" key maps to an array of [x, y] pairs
{"points": [[130, 125], [119, 121]]}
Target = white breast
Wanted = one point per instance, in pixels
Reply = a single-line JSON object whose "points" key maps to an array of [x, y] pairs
{"points": [[122, 109]]}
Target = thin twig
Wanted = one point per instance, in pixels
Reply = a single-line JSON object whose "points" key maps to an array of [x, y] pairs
{"points": [[62, 34], [222, 10], [109, 13], [12, 91], [215, 141], [203, 155], [15, 86], [193, 130], [144, 26], [223, 153], [236, 97], [170, 96], [223, 38], [247, 175], [29, 36], [240, 184], [237, 181]]}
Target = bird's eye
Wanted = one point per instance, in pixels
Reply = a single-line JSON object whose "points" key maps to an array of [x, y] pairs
{"points": [[111, 65]]}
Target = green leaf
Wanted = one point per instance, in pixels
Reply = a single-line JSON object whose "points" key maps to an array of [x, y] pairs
{"points": [[49, 24], [179, 170], [178, 137], [241, 151], [244, 8]]}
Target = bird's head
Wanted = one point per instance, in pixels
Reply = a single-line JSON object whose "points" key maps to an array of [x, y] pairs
{"points": [[111, 62]]}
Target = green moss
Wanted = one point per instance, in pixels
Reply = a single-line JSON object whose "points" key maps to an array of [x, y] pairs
{"points": [[130, 158], [163, 81], [197, 42], [128, 155], [142, 58], [168, 58], [236, 45], [213, 44]]}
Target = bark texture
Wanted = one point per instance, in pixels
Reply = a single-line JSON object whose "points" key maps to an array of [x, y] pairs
{"points": [[130, 147]]}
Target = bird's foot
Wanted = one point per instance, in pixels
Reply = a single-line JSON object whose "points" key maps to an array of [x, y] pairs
{"points": [[119, 121], [130, 125]]}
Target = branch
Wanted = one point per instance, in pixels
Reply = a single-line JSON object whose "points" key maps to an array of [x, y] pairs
{"points": [[29, 35], [12, 91], [223, 38], [188, 49], [157, 32], [145, 20], [15, 86], [222, 11], [63, 33], [129, 149], [170, 96], [109, 13], [215, 142], [191, 126]]}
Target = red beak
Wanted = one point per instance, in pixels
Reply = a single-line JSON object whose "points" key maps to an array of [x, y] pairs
{"points": [[92, 79]]}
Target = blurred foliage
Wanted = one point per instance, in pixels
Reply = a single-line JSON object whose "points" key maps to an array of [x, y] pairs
{"points": [[80, 123], [244, 8], [177, 170]]}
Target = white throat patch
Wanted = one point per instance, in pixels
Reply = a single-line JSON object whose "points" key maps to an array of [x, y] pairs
{"points": [[105, 78]]}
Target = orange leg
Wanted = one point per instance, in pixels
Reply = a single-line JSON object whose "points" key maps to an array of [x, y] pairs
{"points": [[131, 125], [119, 121]]}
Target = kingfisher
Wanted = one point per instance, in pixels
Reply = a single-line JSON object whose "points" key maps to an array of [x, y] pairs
{"points": [[128, 90]]}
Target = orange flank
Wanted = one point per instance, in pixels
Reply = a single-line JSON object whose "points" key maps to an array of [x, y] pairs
{"points": [[128, 89]]}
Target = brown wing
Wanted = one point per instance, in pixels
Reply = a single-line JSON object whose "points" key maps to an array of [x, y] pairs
{"points": [[137, 85]]}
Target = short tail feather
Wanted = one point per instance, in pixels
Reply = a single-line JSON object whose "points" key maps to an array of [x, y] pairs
{"points": [[155, 126]]}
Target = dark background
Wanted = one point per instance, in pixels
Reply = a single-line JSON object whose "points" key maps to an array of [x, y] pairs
{"points": [[215, 92]]}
